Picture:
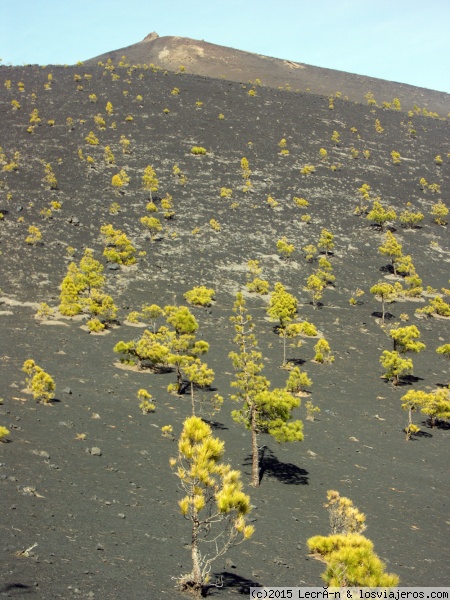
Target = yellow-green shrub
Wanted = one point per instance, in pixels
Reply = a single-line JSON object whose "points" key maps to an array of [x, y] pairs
{"points": [[200, 296]]}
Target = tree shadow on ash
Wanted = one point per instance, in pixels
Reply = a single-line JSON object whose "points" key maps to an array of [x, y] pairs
{"points": [[272, 467], [318, 305], [20, 588], [439, 424], [408, 380], [422, 434], [231, 581], [186, 387], [387, 269], [157, 369], [443, 385], [379, 315], [54, 401], [215, 424], [298, 362], [405, 380]]}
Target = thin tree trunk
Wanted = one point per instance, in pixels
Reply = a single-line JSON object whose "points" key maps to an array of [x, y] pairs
{"points": [[408, 428], [179, 379], [393, 266], [192, 398], [255, 453], [197, 579]]}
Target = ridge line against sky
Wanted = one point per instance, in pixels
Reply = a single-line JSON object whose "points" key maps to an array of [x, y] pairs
{"points": [[406, 41]]}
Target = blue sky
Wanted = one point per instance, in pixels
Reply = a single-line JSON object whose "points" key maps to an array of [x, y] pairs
{"points": [[400, 40]]}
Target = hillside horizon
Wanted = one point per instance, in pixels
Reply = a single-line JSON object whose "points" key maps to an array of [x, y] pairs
{"points": [[221, 62]]}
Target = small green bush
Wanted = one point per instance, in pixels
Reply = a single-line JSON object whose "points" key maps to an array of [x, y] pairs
{"points": [[200, 296], [198, 150]]}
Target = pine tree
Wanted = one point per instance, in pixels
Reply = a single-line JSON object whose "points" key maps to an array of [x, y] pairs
{"points": [[326, 241], [258, 285], [214, 504], [146, 405], [198, 375], [336, 138], [149, 181], [35, 235], [50, 177], [395, 366], [323, 352], [70, 290], [200, 296], [184, 348], [297, 381], [151, 348], [282, 305], [391, 248], [167, 206], [310, 252], [344, 517], [351, 562], [315, 286], [263, 410], [364, 192], [274, 412], [294, 330], [153, 312], [40, 383], [412, 401], [439, 212], [290, 331], [91, 270], [438, 306], [386, 292], [406, 339], [119, 248], [404, 265], [409, 218], [438, 406], [248, 366], [245, 169], [117, 183], [102, 308], [414, 282], [380, 216], [81, 290], [325, 270], [348, 555], [153, 225], [285, 249], [108, 156]]}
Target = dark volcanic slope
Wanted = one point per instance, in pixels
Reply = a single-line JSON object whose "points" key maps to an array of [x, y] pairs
{"points": [[108, 526], [211, 60]]}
